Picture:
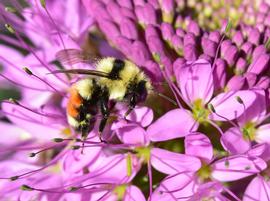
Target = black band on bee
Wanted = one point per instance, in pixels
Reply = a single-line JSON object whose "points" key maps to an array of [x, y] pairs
{"points": [[118, 65]]}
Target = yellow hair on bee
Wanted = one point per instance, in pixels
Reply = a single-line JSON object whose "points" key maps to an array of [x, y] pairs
{"points": [[118, 87], [85, 88], [73, 122], [105, 64]]}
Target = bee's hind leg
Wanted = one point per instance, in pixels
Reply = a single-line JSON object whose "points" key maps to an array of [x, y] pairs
{"points": [[105, 115]]}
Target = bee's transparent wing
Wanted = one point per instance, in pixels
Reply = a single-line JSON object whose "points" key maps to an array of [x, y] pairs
{"points": [[73, 56]]}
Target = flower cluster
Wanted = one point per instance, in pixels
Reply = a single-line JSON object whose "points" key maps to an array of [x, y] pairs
{"points": [[211, 143]]}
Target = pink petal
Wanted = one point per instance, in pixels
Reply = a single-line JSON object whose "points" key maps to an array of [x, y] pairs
{"points": [[227, 106], [141, 115], [174, 124], [260, 150], [172, 163], [262, 134], [132, 134], [199, 145], [196, 81], [13, 134], [178, 187], [134, 193], [258, 189], [256, 112], [79, 160], [237, 167], [233, 141], [35, 124]]}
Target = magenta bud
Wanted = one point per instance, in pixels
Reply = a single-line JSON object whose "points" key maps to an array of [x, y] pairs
{"points": [[138, 2], [260, 27], [128, 29], [259, 64], [115, 11], [140, 53], [100, 12], [146, 14], [214, 36], [219, 74], [154, 3], [167, 63], [267, 20], [155, 45], [180, 32], [251, 79], [128, 13], [237, 82], [124, 45], [260, 17], [177, 43], [125, 3], [224, 46], [259, 50], [109, 28], [238, 38], [264, 8], [151, 30], [154, 71], [254, 36], [167, 31], [178, 64], [190, 52], [241, 65], [206, 57], [231, 55], [189, 38], [178, 21], [167, 6], [194, 28], [247, 48], [209, 47]]}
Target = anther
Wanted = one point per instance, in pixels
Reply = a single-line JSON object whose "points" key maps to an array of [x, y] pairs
{"points": [[239, 100], [211, 108], [13, 101], [26, 188], [267, 44], [32, 154], [10, 9], [27, 70], [10, 28], [75, 147], [14, 178], [43, 3], [73, 188], [58, 139]]}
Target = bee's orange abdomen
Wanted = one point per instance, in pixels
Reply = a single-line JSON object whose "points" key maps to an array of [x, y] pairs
{"points": [[72, 110], [74, 102], [75, 98]]}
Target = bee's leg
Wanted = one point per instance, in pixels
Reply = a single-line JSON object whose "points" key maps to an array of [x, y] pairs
{"points": [[105, 115], [132, 104]]}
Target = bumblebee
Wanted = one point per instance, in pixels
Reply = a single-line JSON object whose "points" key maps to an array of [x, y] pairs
{"points": [[113, 80]]}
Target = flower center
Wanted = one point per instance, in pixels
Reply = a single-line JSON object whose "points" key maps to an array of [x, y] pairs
{"points": [[200, 113], [249, 131], [204, 172], [144, 152], [120, 191]]}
